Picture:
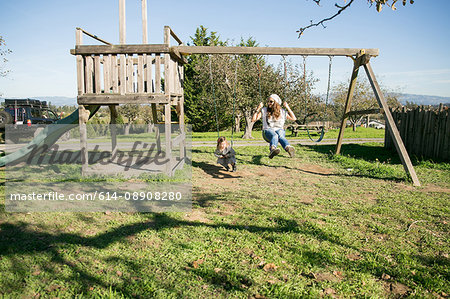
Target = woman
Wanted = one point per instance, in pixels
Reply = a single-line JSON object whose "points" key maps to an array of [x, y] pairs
{"points": [[273, 118]]}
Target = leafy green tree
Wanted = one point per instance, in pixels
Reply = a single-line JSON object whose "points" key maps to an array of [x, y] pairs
{"points": [[363, 99], [131, 112], [199, 106]]}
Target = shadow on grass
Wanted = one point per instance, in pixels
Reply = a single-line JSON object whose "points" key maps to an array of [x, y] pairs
{"points": [[215, 171], [360, 151], [22, 239]]}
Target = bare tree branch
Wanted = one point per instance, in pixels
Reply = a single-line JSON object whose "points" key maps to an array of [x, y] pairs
{"points": [[341, 9], [379, 7]]}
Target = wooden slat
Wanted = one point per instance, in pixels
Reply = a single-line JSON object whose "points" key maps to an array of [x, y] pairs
{"points": [[93, 36], [111, 99], [158, 74], [107, 76], [97, 74], [175, 37], [446, 150], [89, 70], [123, 74], [120, 49], [367, 111], [149, 72], [167, 77], [140, 74], [186, 50], [130, 70], [115, 74]]}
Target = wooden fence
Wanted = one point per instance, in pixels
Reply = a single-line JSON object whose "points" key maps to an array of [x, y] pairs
{"points": [[424, 131]]}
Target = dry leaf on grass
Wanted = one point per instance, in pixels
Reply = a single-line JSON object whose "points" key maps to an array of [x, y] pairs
{"points": [[197, 263], [270, 267]]}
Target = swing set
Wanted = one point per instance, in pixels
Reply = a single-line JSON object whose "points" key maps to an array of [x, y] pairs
{"points": [[360, 58], [109, 75]]}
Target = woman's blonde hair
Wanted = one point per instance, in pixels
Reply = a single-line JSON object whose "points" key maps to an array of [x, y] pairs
{"points": [[274, 111]]}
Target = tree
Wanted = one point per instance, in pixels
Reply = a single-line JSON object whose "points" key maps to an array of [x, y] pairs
{"points": [[363, 99], [379, 4], [3, 52], [199, 106], [131, 112]]}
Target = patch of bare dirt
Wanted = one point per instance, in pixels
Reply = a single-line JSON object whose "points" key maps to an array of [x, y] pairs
{"points": [[396, 289], [316, 169], [427, 188], [197, 216]]}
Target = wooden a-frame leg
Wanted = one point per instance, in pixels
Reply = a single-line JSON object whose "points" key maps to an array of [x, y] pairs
{"points": [[404, 157], [348, 105]]}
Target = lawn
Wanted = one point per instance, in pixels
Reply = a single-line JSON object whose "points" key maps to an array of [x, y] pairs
{"points": [[315, 225], [360, 132]]}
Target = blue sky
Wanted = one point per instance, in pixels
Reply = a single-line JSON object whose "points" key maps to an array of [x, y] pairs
{"points": [[413, 40]]}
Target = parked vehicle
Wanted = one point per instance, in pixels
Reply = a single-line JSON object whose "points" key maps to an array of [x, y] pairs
{"points": [[26, 111]]}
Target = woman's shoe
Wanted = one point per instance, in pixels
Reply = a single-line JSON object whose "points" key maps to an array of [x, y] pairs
{"points": [[273, 152], [291, 150]]}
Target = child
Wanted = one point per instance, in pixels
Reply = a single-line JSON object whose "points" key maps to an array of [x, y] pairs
{"points": [[225, 154]]}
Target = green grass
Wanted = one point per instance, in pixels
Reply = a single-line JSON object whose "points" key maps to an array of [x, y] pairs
{"points": [[331, 134], [316, 225]]}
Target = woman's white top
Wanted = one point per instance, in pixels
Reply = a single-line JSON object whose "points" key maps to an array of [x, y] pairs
{"points": [[272, 123]]}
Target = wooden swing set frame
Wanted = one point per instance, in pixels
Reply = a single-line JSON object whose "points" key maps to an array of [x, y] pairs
{"points": [[117, 74]]}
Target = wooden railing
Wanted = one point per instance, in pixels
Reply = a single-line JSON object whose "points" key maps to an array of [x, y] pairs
{"points": [[114, 74]]}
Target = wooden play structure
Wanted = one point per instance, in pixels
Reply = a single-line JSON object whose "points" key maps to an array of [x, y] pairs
{"points": [[110, 75]]}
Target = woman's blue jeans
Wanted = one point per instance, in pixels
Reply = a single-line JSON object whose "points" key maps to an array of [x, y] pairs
{"points": [[275, 136]]}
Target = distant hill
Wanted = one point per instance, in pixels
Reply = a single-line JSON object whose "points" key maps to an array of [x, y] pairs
{"points": [[423, 99]]}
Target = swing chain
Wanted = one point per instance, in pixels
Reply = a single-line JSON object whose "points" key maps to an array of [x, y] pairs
{"points": [[213, 95], [304, 86], [286, 83], [329, 84], [234, 98]]}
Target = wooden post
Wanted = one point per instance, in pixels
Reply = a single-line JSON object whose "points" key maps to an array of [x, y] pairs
{"points": [[83, 117], [157, 132], [113, 122], [167, 107], [168, 136], [80, 63], [122, 22], [122, 41], [404, 157], [348, 104], [144, 22]]}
